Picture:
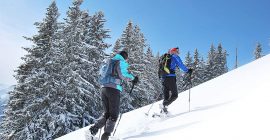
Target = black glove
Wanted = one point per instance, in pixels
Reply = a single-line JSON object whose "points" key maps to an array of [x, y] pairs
{"points": [[190, 71], [135, 80]]}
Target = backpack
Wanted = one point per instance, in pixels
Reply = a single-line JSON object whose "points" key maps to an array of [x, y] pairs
{"points": [[164, 65], [108, 73]]}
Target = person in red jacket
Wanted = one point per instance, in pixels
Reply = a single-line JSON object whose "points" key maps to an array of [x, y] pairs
{"points": [[169, 80]]}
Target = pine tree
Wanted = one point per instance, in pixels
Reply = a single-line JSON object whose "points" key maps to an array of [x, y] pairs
{"points": [[134, 42], [97, 32], [82, 60], [127, 41], [117, 47], [93, 56], [258, 51], [153, 86], [137, 67], [186, 78], [225, 66], [210, 65], [29, 112], [197, 75], [202, 66], [219, 61], [97, 35]]}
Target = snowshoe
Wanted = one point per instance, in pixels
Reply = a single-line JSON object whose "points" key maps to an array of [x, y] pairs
{"points": [[164, 109], [89, 136], [105, 136], [93, 129]]}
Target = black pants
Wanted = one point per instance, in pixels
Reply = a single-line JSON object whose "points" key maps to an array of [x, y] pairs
{"points": [[111, 101], [169, 84]]}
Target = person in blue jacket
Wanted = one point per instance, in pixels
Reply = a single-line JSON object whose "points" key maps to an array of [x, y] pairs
{"points": [[110, 95], [169, 80]]}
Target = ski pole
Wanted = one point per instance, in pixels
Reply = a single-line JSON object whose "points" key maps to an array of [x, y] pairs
{"points": [[121, 113], [117, 123], [189, 100], [99, 134], [131, 88], [152, 104]]}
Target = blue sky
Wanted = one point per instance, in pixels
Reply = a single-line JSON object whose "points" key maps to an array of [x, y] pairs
{"points": [[188, 24]]}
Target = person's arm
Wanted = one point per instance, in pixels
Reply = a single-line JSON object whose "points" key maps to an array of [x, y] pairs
{"points": [[180, 64], [122, 70]]}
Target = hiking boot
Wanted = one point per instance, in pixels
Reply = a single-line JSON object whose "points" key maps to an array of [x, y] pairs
{"points": [[93, 129], [105, 136], [164, 109]]}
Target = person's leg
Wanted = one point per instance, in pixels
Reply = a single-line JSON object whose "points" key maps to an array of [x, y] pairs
{"points": [[166, 91], [114, 103], [102, 120], [173, 88]]}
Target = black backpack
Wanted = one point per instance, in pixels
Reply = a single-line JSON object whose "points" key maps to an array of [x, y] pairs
{"points": [[164, 65]]}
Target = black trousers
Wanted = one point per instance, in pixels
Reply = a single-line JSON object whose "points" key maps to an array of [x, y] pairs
{"points": [[169, 85], [111, 102]]}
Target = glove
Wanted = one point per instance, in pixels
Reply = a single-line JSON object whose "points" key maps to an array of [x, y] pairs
{"points": [[135, 80], [190, 71]]}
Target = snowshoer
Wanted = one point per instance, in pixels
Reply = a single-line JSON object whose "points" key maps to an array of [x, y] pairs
{"points": [[110, 95], [169, 79]]}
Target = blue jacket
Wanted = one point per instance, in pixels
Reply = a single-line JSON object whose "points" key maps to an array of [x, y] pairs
{"points": [[122, 71], [177, 62]]}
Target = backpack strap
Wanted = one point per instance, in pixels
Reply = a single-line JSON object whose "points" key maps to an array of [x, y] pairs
{"points": [[114, 68]]}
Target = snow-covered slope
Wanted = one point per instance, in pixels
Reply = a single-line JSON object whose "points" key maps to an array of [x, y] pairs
{"points": [[233, 106]]}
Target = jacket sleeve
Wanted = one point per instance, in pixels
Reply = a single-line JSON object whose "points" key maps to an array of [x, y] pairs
{"points": [[180, 64], [122, 71]]}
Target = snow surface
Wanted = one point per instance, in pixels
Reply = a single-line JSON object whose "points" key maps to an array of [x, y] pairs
{"points": [[234, 106]]}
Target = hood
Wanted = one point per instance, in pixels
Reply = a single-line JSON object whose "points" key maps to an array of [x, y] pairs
{"points": [[118, 57]]}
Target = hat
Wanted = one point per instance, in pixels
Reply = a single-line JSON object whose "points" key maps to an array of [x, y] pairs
{"points": [[174, 50], [124, 54]]}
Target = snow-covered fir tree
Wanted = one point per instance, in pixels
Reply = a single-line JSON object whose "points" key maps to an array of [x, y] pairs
{"points": [[137, 63], [55, 94], [153, 88], [97, 34], [117, 47], [32, 106], [225, 66], [127, 37], [198, 69], [210, 68], [202, 66], [80, 69], [134, 42], [220, 65], [186, 83], [126, 42], [258, 51]]}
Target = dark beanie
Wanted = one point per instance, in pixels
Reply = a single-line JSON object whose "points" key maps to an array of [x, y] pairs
{"points": [[124, 54]]}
